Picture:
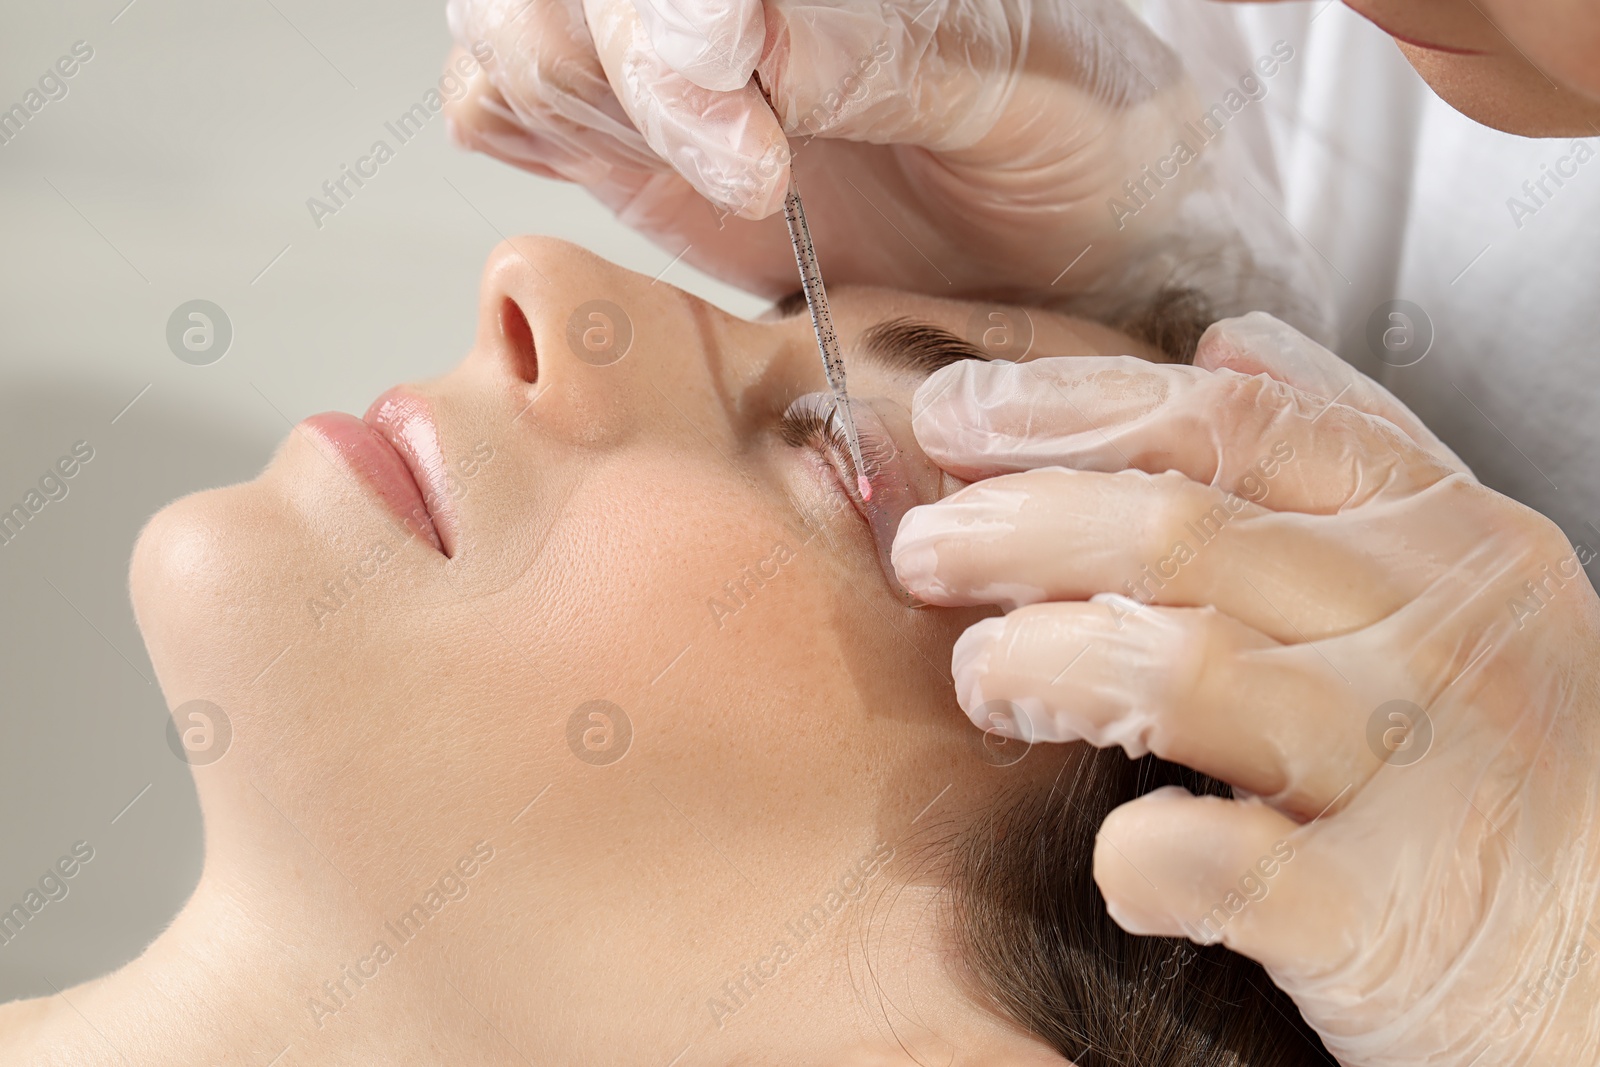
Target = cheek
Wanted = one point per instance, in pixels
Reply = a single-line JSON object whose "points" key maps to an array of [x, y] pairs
{"points": [[640, 556], [707, 610], [676, 600]]}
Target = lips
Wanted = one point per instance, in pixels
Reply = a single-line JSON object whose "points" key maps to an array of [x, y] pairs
{"points": [[395, 451]]}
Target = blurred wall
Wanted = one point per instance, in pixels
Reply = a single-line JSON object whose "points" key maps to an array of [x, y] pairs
{"points": [[175, 168]]}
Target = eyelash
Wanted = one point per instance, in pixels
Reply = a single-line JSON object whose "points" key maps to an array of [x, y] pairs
{"points": [[809, 422]]}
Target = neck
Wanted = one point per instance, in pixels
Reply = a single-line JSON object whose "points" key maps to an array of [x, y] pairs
{"points": [[289, 953]]}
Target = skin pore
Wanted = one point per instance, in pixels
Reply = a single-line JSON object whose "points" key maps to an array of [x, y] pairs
{"points": [[1530, 67], [795, 746]]}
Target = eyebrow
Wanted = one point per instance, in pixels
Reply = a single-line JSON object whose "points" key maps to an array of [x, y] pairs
{"points": [[903, 344], [907, 344]]}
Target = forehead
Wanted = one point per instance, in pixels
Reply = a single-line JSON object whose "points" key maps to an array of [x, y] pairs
{"points": [[1001, 330]]}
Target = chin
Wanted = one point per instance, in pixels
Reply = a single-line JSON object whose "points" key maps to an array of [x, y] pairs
{"points": [[1505, 93], [206, 580]]}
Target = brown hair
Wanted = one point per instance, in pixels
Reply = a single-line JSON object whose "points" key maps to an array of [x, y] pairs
{"points": [[1032, 925], [1041, 950], [1172, 322]]}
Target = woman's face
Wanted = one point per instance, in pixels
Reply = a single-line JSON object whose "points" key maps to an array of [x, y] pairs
{"points": [[637, 638]]}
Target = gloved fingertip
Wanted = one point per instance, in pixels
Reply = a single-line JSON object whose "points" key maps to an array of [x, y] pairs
{"points": [[1145, 922], [711, 66], [1258, 343], [937, 391], [916, 557], [969, 665], [948, 410], [1128, 907], [759, 191], [763, 203], [944, 552], [729, 147], [715, 46], [1123, 872]]}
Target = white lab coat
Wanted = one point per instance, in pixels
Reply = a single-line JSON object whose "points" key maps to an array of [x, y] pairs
{"points": [[1404, 198]]}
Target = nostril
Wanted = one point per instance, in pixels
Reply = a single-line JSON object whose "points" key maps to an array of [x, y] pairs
{"points": [[519, 337]]}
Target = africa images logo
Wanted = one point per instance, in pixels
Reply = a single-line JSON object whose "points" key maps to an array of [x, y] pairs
{"points": [[338, 191]]}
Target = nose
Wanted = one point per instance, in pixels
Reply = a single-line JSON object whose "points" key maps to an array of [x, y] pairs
{"points": [[597, 352]]}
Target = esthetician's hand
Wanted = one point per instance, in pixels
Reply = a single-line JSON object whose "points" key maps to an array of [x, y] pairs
{"points": [[945, 149], [1266, 568]]}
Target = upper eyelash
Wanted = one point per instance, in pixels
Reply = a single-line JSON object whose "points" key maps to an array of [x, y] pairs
{"points": [[802, 428], [922, 345], [811, 424]]}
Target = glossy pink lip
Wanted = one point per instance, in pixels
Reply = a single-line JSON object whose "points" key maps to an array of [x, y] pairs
{"points": [[395, 450]]}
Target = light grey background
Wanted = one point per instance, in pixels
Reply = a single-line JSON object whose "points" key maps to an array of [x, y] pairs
{"points": [[177, 168]]}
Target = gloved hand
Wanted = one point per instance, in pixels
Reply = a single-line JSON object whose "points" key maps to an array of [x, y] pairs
{"points": [[1264, 567], [945, 148]]}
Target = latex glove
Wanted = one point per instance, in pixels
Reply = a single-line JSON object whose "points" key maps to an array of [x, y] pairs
{"points": [[1265, 568], [942, 147]]}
